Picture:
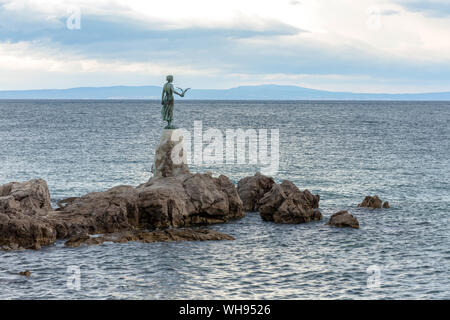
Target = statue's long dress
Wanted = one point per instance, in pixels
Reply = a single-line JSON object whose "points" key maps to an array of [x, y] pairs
{"points": [[167, 110]]}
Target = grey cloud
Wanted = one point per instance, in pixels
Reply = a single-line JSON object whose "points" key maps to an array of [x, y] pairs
{"points": [[26, 26], [131, 40]]}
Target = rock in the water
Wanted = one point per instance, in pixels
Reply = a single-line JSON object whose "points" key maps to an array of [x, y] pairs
{"points": [[79, 239], [98, 212], [251, 189], [20, 231], [285, 203], [32, 195], [170, 157], [373, 202], [189, 199], [343, 219], [25, 273], [149, 236], [386, 205], [172, 198], [23, 209], [181, 201]]}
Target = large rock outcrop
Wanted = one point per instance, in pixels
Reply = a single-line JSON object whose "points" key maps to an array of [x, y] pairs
{"points": [[32, 195], [28, 221], [373, 202], [251, 189], [343, 219], [98, 212], [285, 203], [170, 156], [181, 201], [189, 199], [23, 211]]}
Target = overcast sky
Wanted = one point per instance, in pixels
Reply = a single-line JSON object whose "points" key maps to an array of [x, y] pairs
{"points": [[360, 46]]}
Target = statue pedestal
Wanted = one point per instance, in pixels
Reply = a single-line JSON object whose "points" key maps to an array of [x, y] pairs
{"points": [[170, 157]]}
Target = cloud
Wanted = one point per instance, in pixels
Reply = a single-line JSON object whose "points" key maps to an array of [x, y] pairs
{"points": [[24, 56], [23, 23], [127, 35], [433, 8], [320, 43], [390, 12]]}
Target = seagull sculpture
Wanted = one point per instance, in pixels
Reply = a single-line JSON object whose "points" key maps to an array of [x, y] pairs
{"points": [[183, 91]]}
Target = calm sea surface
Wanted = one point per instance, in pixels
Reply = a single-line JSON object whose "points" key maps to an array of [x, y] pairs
{"points": [[340, 150]]}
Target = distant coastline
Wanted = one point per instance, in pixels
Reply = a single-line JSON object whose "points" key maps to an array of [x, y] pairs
{"points": [[261, 92]]}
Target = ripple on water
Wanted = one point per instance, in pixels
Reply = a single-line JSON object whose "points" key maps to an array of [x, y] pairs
{"points": [[341, 150]]}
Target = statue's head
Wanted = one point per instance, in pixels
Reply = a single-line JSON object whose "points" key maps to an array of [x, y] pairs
{"points": [[169, 78]]}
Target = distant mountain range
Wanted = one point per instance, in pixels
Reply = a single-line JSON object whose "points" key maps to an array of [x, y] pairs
{"points": [[261, 92]]}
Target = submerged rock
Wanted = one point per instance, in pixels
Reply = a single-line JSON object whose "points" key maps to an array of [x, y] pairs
{"points": [[285, 203], [149, 236], [251, 189], [343, 219], [79, 239], [373, 202], [25, 273]]}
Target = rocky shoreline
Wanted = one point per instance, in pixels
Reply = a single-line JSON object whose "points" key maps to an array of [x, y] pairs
{"points": [[169, 207], [163, 209], [27, 220]]}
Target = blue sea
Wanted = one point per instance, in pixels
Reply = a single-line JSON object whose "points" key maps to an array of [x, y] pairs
{"points": [[340, 150]]}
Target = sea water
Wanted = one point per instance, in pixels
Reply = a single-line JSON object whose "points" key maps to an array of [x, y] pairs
{"points": [[340, 150]]}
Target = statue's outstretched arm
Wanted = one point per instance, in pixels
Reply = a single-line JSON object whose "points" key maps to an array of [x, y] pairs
{"points": [[181, 94]]}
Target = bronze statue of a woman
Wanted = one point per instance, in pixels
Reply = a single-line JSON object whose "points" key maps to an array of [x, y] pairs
{"points": [[167, 101]]}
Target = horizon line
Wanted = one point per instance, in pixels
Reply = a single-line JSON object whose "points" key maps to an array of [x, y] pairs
{"points": [[230, 88]]}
